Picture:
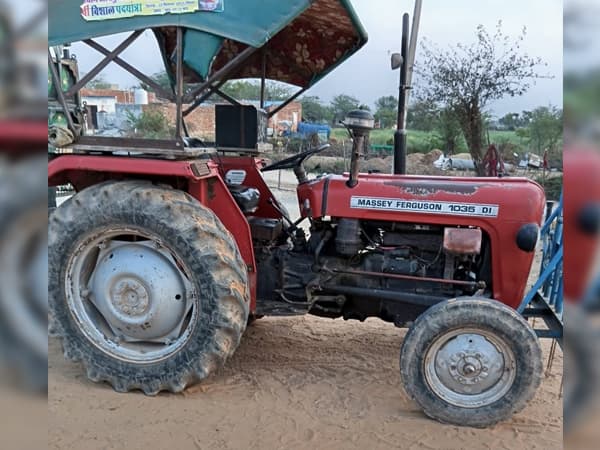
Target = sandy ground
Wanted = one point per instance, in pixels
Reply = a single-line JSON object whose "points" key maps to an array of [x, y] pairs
{"points": [[294, 383]]}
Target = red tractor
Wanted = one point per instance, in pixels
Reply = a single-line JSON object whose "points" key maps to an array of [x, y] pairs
{"points": [[169, 249]]}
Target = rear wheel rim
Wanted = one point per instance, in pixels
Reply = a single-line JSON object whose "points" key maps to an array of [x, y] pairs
{"points": [[469, 368], [131, 295]]}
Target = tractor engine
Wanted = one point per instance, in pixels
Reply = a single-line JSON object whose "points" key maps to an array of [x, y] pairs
{"points": [[357, 268], [391, 270]]}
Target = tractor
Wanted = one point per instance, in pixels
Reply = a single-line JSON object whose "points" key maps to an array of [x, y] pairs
{"points": [[169, 249]]}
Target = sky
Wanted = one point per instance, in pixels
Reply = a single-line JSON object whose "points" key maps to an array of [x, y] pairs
{"points": [[367, 75], [583, 36]]}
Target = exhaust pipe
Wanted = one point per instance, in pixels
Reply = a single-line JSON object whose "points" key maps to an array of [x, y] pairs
{"points": [[400, 134]]}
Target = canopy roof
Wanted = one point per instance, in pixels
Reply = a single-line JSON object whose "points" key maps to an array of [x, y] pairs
{"points": [[301, 40]]}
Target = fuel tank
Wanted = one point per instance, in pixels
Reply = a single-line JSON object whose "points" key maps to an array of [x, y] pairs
{"points": [[505, 209]]}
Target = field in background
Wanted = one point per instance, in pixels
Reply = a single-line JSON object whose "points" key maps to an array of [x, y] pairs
{"points": [[425, 141]]}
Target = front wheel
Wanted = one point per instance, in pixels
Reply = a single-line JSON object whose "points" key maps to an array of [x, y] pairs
{"points": [[146, 287], [471, 362]]}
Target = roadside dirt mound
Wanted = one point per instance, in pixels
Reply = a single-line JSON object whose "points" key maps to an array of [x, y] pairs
{"points": [[422, 164], [416, 163], [378, 165]]}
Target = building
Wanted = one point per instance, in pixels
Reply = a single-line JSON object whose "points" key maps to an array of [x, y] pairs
{"points": [[111, 109]]}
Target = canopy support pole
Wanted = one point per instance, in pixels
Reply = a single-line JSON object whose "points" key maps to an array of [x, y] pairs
{"points": [[225, 96], [263, 77], [221, 73], [200, 99], [287, 102], [102, 64], [132, 70], [211, 90], [179, 84]]}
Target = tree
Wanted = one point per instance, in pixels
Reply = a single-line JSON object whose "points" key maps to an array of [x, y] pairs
{"points": [[544, 128], [314, 111], [250, 90], [150, 124], [341, 105], [99, 82], [386, 111], [162, 79], [511, 121], [448, 128], [422, 116], [468, 77]]}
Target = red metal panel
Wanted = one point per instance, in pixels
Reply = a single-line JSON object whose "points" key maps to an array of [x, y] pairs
{"points": [[581, 189], [519, 201], [253, 179], [59, 167]]}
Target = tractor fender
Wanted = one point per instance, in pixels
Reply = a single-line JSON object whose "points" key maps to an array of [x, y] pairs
{"points": [[199, 178]]}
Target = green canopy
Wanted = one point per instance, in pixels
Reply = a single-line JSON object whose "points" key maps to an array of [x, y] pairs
{"points": [[302, 39]]}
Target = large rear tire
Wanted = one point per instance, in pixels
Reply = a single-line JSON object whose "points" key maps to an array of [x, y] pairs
{"points": [[146, 286], [471, 362]]}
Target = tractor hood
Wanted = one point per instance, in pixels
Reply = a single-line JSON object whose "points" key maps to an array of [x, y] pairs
{"points": [[302, 40]]}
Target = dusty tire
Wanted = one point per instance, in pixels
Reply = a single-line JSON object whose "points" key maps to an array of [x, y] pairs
{"points": [[581, 366], [216, 290], [443, 358], [23, 271]]}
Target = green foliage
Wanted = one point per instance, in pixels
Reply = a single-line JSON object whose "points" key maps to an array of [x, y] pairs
{"points": [[544, 127], [160, 78], [386, 111], [552, 186], [422, 115], [250, 90], [150, 124], [314, 111], [99, 82], [512, 121], [425, 141], [341, 105], [467, 78]]}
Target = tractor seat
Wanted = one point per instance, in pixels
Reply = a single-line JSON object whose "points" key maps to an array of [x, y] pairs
{"points": [[247, 198]]}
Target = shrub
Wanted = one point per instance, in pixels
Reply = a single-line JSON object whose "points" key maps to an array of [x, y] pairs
{"points": [[552, 186], [150, 124]]}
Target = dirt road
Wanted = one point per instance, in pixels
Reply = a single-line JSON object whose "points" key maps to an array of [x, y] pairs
{"points": [[294, 383]]}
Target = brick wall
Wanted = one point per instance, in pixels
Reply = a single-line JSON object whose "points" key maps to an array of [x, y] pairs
{"points": [[201, 122], [291, 113], [121, 96]]}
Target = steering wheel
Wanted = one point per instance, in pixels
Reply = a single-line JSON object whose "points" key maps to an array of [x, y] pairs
{"points": [[296, 160]]}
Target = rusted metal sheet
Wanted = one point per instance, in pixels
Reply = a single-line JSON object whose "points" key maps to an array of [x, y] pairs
{"points": [[462, 241]]}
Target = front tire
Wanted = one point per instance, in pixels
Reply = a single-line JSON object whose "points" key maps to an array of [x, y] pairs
{"points": [[146, 287], [471, 362]]}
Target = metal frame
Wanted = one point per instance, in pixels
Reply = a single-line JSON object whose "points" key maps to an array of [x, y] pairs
{"points": [[287, 102], [545, 299], [170, 148]]}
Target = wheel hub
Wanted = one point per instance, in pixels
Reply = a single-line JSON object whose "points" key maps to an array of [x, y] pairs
{"points": [[469, 368], [139, 291], [129, 297]]}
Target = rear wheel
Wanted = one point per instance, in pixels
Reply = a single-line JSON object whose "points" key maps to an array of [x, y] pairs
{"points": [[471, 362], [146, 286]]}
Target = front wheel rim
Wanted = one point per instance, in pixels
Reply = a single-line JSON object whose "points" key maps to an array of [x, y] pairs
{"points": [[469, 368], [131, 295]]}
